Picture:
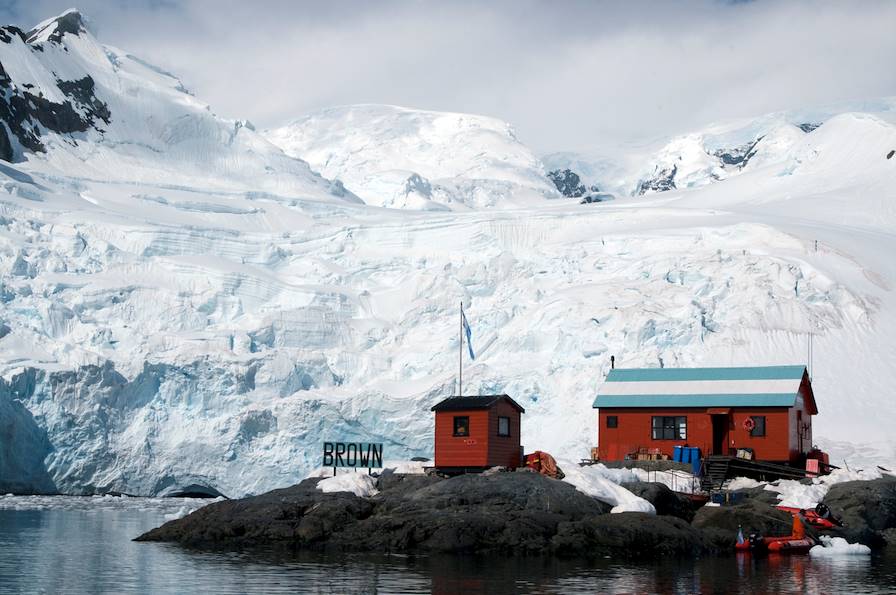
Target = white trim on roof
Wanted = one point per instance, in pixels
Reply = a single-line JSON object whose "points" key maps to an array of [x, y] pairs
{"points": [[701, 387]]}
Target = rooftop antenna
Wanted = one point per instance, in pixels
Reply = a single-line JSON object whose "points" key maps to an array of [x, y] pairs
{"points": [[810, 354]]}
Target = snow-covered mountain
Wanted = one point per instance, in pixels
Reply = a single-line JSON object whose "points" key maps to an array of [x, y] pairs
{"points": [[210, 315], [413, 159], [714, 153], [79, 109]]}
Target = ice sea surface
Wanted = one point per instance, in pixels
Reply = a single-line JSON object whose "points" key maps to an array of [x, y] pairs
{"points": [[65, 545]]}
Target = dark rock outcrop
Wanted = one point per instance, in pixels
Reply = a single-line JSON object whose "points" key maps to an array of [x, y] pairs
{"points": [[512, 512], [867, 509], [631, 534], [298, 514]]}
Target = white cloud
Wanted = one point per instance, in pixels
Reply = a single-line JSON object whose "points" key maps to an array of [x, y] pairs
{"points": [[567, 75]]}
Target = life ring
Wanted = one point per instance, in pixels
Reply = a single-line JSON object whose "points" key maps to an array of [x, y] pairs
{"points": [[749, 424]]}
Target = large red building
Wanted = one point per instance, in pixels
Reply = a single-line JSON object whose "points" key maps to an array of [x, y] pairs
{"points": [[475, 433], [719, 410]]}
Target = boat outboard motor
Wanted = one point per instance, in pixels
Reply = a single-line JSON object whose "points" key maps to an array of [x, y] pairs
{"points": [[756, 541], [823, 511]]}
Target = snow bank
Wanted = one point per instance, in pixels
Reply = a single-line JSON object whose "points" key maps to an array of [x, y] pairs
{"points": [[599, 482], [359, 484], [799, 495], [407, 467], [743, 483], [832, 547]]}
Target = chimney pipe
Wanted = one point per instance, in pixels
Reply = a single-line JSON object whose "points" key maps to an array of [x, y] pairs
{"points": [[612, 362]]}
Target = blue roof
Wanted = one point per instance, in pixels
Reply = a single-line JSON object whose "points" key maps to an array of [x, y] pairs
{"points": [[684, 374], [765, 386], [709, 400]]}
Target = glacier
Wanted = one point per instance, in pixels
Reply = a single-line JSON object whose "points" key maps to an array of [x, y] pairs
{"points": [[185, 302], [405, 158]]}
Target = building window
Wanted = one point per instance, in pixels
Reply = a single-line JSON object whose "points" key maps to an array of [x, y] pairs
{"points": [[669, 428], [503, 426], [612, 421], [461, 425], [758, 425]]}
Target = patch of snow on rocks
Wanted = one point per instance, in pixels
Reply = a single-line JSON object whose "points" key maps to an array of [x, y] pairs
{"points": [[361, 485], [743, 483], [800, 495], [599, 482]]}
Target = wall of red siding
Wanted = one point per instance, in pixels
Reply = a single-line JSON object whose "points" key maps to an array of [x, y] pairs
{"points": [[634, 432], [795, 451], [472, 451], [504, 450]]}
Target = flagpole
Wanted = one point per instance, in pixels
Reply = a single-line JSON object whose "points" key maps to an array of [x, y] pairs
{"points": [[460, 355]]}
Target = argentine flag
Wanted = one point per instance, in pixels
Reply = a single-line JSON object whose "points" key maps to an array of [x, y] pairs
{"points": [[467, 332]]}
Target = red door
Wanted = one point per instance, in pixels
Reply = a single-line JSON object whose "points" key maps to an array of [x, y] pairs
{"points": [[719, 434]]}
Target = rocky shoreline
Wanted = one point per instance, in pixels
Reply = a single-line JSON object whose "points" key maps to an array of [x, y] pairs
{"points": [[519, 513]]}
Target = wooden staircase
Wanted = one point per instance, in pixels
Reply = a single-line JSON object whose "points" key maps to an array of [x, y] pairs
{"points": [[715, 473], [718, 469]]}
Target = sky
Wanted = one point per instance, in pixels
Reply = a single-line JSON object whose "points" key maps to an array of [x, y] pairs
{"points": [[568, 75]]}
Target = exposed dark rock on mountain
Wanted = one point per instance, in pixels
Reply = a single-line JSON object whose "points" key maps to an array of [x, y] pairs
{"points": [[738, 156], [663, 179], [71, 22], [808, 127], [27, 115], [568, 183]]}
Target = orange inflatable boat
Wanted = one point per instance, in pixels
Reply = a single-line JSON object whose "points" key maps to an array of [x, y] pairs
{"points": [[795, 543]]}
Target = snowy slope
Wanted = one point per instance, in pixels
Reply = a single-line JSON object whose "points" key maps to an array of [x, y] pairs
{"points": [[154, 335], [413, 159]]}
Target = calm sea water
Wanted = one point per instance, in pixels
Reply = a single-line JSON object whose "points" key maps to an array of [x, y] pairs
{"points": [[83, 545]]}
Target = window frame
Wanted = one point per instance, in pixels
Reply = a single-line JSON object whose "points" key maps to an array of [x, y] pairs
{"points": [[756, 425], [612, 422], [676, 429], [507, 418], [466, 419]]}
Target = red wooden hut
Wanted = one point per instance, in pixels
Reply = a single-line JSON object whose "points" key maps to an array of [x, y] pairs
{"points": [[719, 410], [477, 432]]}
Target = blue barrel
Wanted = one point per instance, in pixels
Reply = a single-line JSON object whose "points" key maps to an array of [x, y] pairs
{"points": [[695, 460], [676, 453]]}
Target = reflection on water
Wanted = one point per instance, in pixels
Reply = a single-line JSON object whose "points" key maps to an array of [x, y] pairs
{"points": [[88, 548]]}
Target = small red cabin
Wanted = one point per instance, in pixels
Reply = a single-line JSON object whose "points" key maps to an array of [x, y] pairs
{"points": [[719, 410], [475, 433]]}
